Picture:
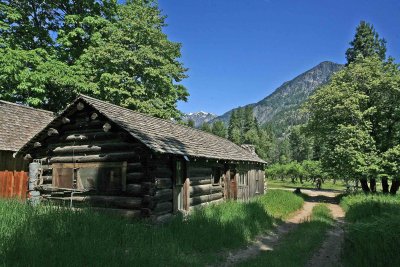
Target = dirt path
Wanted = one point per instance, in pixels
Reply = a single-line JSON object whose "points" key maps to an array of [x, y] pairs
{"points": [[329, 253], [267, 241]]}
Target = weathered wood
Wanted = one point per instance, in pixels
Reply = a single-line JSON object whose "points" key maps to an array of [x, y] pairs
{"points": [[200, 180], [52, 132], [198, 206], [196, 190], [95, 158], [163, 207], [106, 127], [162, 183], [134, 177], [37, 144], [205, 198], [90, 148], [65, 120], [80, 106], [83, 137], [134, 167], [199, 171], [94, 116], [134, 189], [122, 202], [82, 124]]}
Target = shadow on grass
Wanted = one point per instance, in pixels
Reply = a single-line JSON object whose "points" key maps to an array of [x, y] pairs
{"points": [[49, 236]]}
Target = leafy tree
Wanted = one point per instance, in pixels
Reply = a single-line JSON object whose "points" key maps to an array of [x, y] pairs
{"points": [[190, 123], [356, 117], [366, 43], [391, 167], [300, 145], [206, 127], [53, 50], [219, 129]]}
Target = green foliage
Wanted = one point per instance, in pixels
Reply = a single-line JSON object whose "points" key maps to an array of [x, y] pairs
{"points": [[307, 170], [391, 162], [366, 43], [244, 129], [55, 236], [300, 145], [355, 117], [297, 248], [219, 129], [206, 127], [53, 50], [190, 123], [372, 230]]}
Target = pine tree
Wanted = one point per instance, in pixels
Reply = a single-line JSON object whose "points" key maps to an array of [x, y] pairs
{"points": [[366, 43], [219, 129]]}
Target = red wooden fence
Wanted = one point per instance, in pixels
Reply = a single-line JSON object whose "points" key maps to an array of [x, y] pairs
{"points": [[13, 184]]}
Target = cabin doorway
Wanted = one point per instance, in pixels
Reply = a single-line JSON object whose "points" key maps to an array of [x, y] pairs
{"points": [[232, 185]]}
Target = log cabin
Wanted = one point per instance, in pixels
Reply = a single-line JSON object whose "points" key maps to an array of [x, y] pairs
{"points": [[18, 123], [115, 159]]}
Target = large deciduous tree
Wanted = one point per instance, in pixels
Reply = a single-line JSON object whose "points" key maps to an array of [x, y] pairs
{"points": [[52, 50], [356, 117]]}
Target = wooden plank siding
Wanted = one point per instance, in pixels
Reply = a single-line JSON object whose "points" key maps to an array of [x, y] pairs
{"points": [[13, 184]]}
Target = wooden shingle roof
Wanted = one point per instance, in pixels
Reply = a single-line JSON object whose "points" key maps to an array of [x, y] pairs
{"points": [[165, 136], [18, 124]]}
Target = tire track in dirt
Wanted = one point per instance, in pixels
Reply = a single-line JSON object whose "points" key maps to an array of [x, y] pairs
{"points": [[267, 241]]}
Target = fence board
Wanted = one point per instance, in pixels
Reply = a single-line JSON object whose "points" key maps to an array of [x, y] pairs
{"points": [[13, 184]]}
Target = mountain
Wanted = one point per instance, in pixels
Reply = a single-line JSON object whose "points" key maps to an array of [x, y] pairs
{"points": [[281, 108], [199, 117]]}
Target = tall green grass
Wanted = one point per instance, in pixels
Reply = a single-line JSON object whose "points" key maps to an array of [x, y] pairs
{"points": [[297, 247], [52, 236], [373, 230]]}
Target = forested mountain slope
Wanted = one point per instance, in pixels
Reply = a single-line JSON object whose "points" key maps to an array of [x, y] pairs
{"points": [[281, 108]]}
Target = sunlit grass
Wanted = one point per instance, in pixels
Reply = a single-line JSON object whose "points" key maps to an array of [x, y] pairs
{"points": [[51, 236], [329, 184], [373, 230]]}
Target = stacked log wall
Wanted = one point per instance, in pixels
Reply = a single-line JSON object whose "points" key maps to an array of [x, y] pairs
{"points": [[202, 189], [84, 139]]}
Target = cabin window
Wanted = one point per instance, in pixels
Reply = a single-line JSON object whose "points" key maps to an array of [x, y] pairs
{"points": [[102, 177], [243, 178], [217, 173], [179, 180], [179, 173]]}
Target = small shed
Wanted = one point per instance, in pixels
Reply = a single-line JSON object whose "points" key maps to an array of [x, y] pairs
{"points": [[111, 157], [18, 124]]}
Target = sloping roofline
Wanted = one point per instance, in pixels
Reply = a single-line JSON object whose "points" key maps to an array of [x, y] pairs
{"points": [[152, 142]]}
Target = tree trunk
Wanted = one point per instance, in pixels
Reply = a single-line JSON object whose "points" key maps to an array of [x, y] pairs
{"points": [[372, 185], [395, 186], [364, 185], [385, 185]]}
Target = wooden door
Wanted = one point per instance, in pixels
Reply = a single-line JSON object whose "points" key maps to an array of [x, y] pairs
{"points": [[233, 185]]}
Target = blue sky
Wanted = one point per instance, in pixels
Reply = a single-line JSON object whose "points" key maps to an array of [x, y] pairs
{"points": [[239, 51]]}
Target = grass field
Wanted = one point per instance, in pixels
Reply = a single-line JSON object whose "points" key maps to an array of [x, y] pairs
{"points": [[296, 248], [49, 236], [373, 230], [328, 184]]}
